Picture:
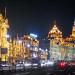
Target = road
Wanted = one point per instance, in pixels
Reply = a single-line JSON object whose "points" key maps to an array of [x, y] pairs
{"points": [[43, 71]]}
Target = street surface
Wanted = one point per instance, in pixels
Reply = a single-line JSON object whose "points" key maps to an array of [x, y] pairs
{"points": [[43, 71]]}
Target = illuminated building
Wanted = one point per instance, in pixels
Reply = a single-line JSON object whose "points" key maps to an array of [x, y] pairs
{"points": [[25, 48], [61, 48], [55, 36], [73, 32], [27, 43], [34, 47], [70, 44], [4, 44], [43, 54], [17, 48], [44, 49]]}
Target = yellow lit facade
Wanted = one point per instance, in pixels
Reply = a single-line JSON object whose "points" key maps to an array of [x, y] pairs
{"points": [[4, 44], [61, 48], [22, 48]]}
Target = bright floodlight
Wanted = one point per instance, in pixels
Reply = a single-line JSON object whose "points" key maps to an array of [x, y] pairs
{"points": [[19, 41], [27, 64], [46, 49], [28, 45], [7, 36], [34, 55], [33, 35], [49, 62], [40, 49]]}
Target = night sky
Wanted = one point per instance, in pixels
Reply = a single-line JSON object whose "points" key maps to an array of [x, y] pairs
{"points": [[37, 16]]}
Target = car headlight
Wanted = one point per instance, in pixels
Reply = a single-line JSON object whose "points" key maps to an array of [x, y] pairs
{"points": [[50, 63]]}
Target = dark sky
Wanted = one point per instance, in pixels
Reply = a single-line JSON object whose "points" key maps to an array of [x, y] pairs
{"points": [[37, 16]]}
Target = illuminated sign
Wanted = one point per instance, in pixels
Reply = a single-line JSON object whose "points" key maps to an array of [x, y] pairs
{"points": [[33, 35]]}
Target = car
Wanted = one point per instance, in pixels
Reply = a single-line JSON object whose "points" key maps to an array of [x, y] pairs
{"points": [[5, 66], [19, 65], [27, 65], [43, 64], [35, 65]]}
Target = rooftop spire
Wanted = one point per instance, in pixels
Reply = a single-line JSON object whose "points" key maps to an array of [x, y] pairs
{"points": [[54, 22], [17, 36], [5, 12]]}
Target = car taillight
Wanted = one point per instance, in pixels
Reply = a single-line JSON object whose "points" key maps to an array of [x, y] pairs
{"points": [[62, 64]]}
